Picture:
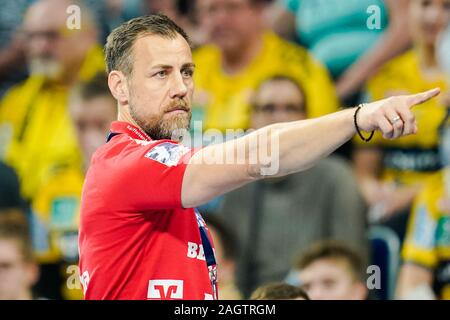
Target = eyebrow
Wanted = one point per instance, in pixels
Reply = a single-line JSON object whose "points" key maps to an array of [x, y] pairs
{"points": [[166, 66]]}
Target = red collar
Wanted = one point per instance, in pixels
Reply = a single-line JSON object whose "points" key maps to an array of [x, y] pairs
{"points": [[118, 127]]}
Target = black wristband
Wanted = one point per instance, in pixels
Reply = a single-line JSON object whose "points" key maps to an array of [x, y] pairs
{"points": [[357, 128]]}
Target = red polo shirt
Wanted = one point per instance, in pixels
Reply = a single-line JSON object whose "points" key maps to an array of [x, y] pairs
{"points": [[136, 241]]}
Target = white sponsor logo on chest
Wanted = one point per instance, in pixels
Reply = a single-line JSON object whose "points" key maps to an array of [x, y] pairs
{"points": [[165, 289]]}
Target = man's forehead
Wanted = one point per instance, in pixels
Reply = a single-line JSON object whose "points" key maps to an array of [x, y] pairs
{"points": [[157, 50]]}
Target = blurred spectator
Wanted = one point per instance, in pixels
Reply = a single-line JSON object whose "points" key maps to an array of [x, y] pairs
{"points": [[56, 205], [188, 19], [391, 173], [279, 291], [275, 217], [242, 54], [353, 38], [9, 188], [426, 251], [35, 126], [106, 14], [180, 11], [331, 271], [12, 56], [92, 109], [167, 7], [226, 253], [109, 14], [18, 271]]}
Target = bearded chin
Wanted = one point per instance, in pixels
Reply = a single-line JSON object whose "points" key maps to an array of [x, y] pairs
{"points": [[161, 129]]}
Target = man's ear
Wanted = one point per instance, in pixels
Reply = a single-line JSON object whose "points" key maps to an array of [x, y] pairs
{"points": [[117, 83]]}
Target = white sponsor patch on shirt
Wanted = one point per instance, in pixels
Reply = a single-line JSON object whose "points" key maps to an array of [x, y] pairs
{"points": [[167, 153], [165, 289], [142, 142]]}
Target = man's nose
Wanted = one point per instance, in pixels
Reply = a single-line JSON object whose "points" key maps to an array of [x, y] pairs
{"points": [[178, 87]]}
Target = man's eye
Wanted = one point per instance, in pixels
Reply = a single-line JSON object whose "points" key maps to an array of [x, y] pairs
{"points": [[161, 74], [187, 73]]}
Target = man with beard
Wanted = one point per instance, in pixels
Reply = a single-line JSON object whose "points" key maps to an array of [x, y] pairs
{"points": [[36, 133], [140, 236]]}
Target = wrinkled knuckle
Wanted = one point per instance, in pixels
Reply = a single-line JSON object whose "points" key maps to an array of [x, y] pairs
{"points": [[398, 125]]}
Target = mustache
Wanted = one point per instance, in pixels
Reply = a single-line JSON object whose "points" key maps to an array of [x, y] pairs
{"points": [[179, 105]]}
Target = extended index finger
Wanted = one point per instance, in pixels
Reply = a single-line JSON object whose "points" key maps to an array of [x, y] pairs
{"points": [[422, 97]]}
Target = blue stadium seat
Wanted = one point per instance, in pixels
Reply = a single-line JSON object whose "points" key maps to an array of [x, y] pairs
{"points": [[385, 253]]}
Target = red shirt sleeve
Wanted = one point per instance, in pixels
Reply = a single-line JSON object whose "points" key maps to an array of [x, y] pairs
{"points": [[148, 176]]}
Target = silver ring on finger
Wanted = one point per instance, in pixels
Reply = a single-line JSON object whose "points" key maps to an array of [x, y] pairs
{"points": [[394, 119]]}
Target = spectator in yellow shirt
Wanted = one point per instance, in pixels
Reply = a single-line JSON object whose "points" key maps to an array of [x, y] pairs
{"points": [[241, 55], [36, 133], [391, 173], [426, 252], [56, 205]]}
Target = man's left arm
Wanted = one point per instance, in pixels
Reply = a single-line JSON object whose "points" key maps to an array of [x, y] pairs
{"points": [[285, 148]]}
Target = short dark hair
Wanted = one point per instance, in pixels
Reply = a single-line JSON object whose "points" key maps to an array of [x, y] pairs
{"points": [[14, 226], [332, 249], [119, 43], [278, 291]]}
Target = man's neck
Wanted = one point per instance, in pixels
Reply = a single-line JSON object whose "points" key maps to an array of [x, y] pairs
{"points": [[126, 117], [235, 61]]}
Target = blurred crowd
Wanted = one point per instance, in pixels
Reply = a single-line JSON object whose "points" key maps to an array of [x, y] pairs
{"points": [[372, 221]]}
